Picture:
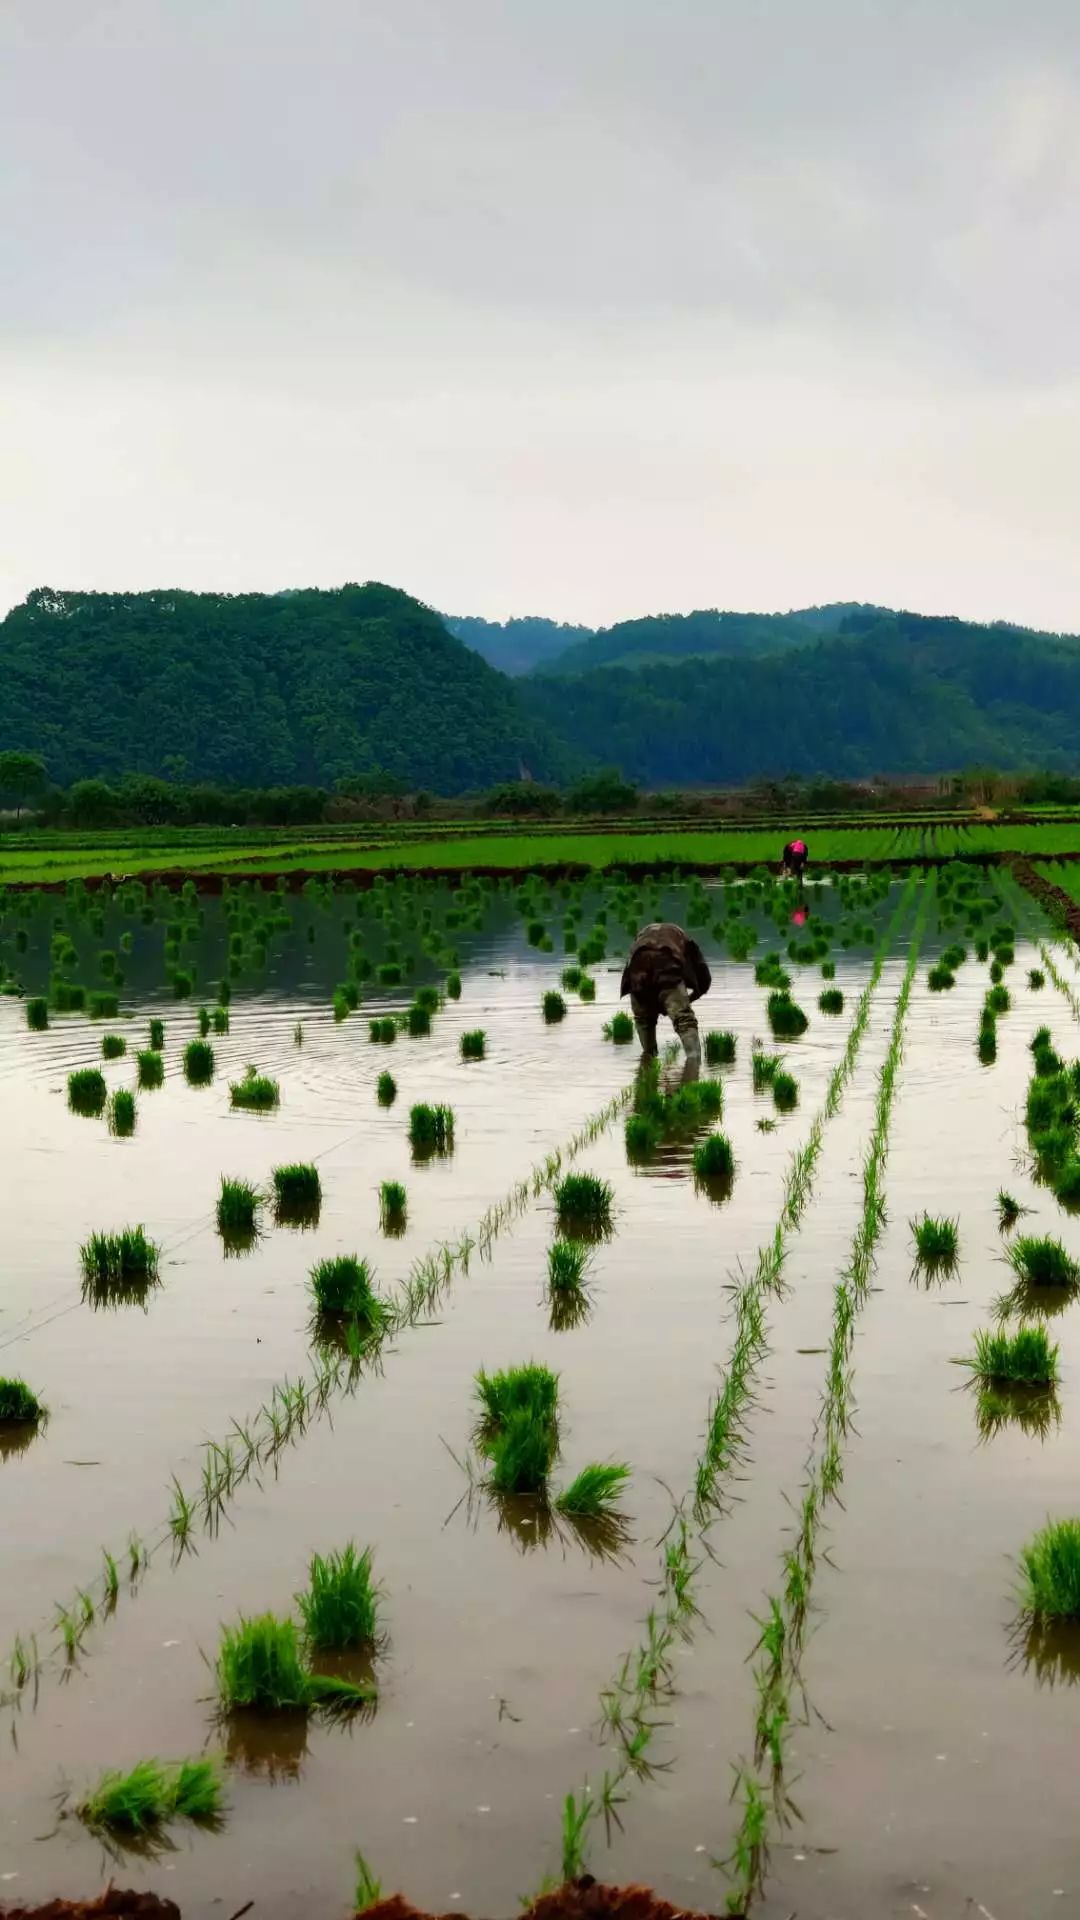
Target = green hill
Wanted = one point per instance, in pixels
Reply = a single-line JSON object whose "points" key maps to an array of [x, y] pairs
{"points": [[706, 633], [517, 645], [892, 693], [261, 689]]}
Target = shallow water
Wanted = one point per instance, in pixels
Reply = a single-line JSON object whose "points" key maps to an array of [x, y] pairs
{"points": [[500, 1640]]}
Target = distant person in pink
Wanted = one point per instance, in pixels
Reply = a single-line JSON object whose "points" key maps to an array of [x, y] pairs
{"points": [[796, 855]]}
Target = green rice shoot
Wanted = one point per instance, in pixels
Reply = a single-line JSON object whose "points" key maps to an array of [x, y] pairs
{"points": [[1050, 1564], [1025, 1358], [594, 1492], [255, 1091], [937, 1240], [340, 1609]]}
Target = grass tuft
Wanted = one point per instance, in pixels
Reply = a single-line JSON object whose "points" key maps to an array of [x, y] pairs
{"points": [[585, 1199], [393, 1206], [1009, 1209], [237, 1210], [151, 1068], [198, 1063], [720, 1049], [254, 1091], [297, 1193], [119, 1259], [149, 1795], [1024, 1359], [714, 1159], [1051, 1569], [87, 1092], [122, 1113], [1038, 1261], [431, 1129], [340, 1610], [620, 1028], [937, 1241], [594, 1492], [341, 1287], [19, 1405]]}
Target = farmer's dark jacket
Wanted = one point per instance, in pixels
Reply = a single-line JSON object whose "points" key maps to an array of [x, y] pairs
{"points": [[662, 957]]}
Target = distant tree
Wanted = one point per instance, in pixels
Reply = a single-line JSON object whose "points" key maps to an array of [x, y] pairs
{"points": [[92, 803], [520, 799], [22, 775], [604, 792]]}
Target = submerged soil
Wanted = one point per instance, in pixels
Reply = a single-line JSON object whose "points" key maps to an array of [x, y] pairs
{"points": [[935, 1770]]}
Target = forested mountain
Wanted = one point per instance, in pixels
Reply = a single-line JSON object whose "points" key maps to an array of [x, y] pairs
{"points": [[261, 689], [518, 645], [892, 693], [317, 687]]}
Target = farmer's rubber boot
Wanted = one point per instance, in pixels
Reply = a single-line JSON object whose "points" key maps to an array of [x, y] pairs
{"points": [[687, 1029]]}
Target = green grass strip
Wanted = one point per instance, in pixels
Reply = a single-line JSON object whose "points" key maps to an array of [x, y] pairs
{"points": [[761, 1790], [628, 1706]]}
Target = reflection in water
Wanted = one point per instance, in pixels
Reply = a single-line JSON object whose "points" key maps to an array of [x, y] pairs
{"points": [[302, 1214], [1047, 1649], [113, 1295], [235, 1243], [933, 1273], [533, 1523], [1033, 1302], [271, 1745], [718, 1189], [1034, 1410], [15, 1437]]}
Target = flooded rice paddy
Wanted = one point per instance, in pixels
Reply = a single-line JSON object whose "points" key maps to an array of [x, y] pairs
{"points": [[925, 1749]]}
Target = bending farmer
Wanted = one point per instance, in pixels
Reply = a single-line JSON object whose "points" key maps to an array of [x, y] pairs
{"points": [[795, 857], [665, 972]]}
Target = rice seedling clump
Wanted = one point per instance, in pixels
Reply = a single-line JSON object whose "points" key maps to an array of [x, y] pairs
{"points": [[831, 1000], [620, 1028], [383, 1031], [149, 1795], [1036, 979], [118, 1259], [568, 1263], [237, 1210], [720, 1049], [517, 1430], [786, 1020], [393, 1206], [473, 1044], [1008, 1209], [940, 978], [87, 1092], [594, 1492], [1039, 1261], [937, 1241], [642, 1135], [553, 1007], [1025, 1358], [198, 1063], [340, 1609], [122, 1113], [418, 1021], [19, 1405], [37, 1013], [785, 1090], [1051, 1568], [255, 1091], [585, 1200], [764, 1068], [102, 1006], [714, 1158], [151, 1068], [342, 1287], [157, 1035], [431, 1128], [297, 1192], [259, 1667], [386, 1089]]}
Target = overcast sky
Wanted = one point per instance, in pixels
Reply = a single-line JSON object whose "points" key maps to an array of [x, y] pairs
{"points": [[580, 307]]}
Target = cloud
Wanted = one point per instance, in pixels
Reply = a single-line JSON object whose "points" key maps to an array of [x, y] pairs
{"points": [[588, 308]]}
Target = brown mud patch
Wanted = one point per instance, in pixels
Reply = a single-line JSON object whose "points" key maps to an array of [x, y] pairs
{"points": [[116, 1903], [584, 1899]]}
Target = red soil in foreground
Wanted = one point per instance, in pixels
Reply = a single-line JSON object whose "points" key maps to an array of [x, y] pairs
{"points": [[581, 1899], [116, 1903]]}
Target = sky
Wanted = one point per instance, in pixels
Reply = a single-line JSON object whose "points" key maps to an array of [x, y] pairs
{"points": [[587, 308]]}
